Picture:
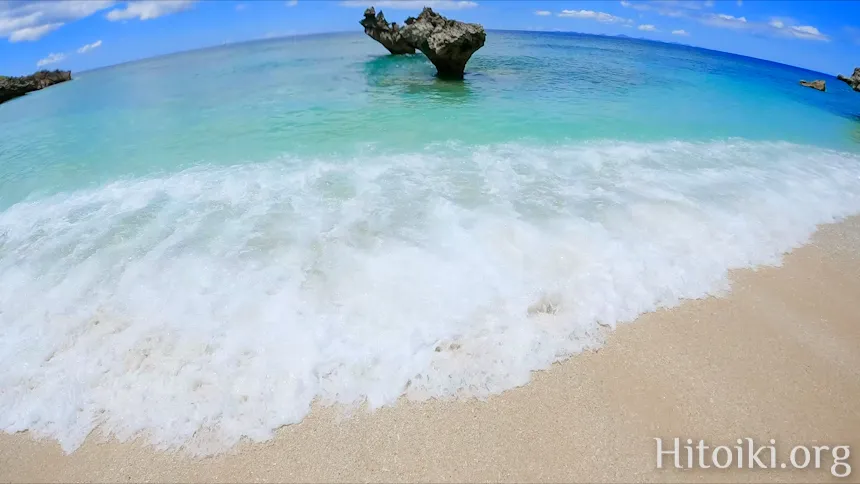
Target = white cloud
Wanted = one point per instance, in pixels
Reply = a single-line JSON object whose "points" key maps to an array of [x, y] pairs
{"points": [[543, 13], [731, 18], [681, 32], [51, 59], [292, 3], [74, 9], [740, 3], [148, 9], [413, 4], [30, 20], [11, 23], [853, 33], [776, 26], [697, 10], [787, 27], [240, 7], [635, 5], [807, 32], [592, 15], [33, 33], [806, 29], [687, 4], [647, 28], [89, 47], [725, 21], [667, 8]]}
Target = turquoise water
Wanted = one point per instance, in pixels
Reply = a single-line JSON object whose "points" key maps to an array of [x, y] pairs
{"points": [[196, 247], [337, 95]]}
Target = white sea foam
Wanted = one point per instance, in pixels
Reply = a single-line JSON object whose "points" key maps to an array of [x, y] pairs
{"points": [[217, 303]]}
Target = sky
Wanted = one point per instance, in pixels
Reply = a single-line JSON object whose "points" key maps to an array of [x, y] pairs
{"points": [[820, 35]]}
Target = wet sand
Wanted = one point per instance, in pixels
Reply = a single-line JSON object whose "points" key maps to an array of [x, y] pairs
{"points": [[779, 358]]}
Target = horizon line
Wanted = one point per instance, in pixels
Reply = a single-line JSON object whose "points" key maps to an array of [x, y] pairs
{"points": [[342, 32]]}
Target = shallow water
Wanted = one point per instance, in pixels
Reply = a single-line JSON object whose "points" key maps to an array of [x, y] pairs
{"points": [[197, 246]]}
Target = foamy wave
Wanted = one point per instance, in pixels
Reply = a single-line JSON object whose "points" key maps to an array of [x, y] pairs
{"points": [[216, 304]]}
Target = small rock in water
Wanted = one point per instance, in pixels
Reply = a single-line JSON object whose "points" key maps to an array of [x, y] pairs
{"points": [[819, 85]]}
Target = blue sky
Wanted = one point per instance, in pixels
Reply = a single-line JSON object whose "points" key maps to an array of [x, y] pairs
{"points": [[84, 34]]}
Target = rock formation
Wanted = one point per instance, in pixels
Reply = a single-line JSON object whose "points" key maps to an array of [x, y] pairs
{"points": [[853, 81], [447, 43], [820, 85], [12, 87], [377, 28]]}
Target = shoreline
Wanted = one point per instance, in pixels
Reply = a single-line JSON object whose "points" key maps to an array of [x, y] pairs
{"points": [[777, 358]]}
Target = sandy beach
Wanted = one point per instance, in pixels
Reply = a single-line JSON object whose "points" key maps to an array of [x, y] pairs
{"points": [[779, 358]]}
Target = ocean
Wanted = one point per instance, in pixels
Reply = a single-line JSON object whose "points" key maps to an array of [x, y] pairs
{"points": [[196, 248]]}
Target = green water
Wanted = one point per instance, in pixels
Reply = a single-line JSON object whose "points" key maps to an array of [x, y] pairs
{"points": [[339, 95]]}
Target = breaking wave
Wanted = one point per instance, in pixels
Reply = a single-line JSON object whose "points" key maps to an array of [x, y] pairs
{"points": [[218, 303]]}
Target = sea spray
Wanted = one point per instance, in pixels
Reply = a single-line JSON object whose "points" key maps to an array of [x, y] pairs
{"points": [[215, 304]]}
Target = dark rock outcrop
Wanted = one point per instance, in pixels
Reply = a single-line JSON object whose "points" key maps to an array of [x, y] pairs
{"points": [[853, 81], [377, 28], [820, 85], [447, 43], [12, 87]]}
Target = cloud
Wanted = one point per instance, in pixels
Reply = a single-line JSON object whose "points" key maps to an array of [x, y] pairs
{"points": [[74, 9], [681, 32], [148, 9], [775, 27], [664, 5], [30, 20], [807, 32], [730, 18], [740, 3], [543, 13], [686, 4], [33, 33], [51, 59], [724, 21], [413, 4], [292, 3], [853, 33], [806, 29], [667, 8], [787, 27], [601, 17], [240, 7], [647, 28], [89, 47], [12, 23], [698, 10], [636, 5]]}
